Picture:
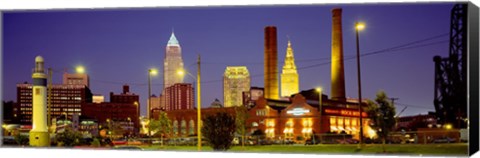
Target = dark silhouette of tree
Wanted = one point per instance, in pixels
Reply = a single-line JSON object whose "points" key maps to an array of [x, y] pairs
{"points": [[382, 114], [219, 129], [21, 139], [69, 137]]}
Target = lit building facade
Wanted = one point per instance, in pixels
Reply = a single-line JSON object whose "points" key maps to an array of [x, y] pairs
{"points": [[65, 99], [300, 118], [236, 80], [179, 96], [289, 77], [98, 98], [172, 63], [296, 118], [76, 79]]}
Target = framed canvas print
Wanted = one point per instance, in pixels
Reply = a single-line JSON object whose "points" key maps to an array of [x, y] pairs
{"points": [[376, 79]]}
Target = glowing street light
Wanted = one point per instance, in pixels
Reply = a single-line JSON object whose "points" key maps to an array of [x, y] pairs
{"points": [[448, 126], [358, 27], [151, 72], [80, 69]]}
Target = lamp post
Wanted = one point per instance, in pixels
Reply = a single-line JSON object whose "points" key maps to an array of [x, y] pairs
{"points": [[319, 90], [65, 120], [150, 73], [359, 26], [199, 107], [137, 117]]}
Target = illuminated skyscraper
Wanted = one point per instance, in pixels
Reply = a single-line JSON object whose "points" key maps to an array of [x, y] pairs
{"points": [[172, 63], [289, 77], [236, 80]]}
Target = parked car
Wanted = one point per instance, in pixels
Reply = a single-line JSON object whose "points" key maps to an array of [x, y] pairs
{"points": [[265, 142], [444, 140], [312, 141], [127, 148]]}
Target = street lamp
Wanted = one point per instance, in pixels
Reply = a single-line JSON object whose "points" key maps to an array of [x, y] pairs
{"points": [[358, 27], [150, 73], [199, 119], [80, 69], [319, 90], [65, 120]]}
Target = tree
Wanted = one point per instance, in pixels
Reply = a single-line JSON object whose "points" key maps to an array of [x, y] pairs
{"points": [[241, 116], [114, 128], [95, 143], [69, 137], [382, 114], [162, 126], [219, 130], [21, 139]]}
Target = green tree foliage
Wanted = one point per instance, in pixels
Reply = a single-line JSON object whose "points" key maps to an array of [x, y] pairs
{"points": [[21, 139], [162, 126], [219, 129], [114, 128], [382, 113], [95, 143], [241, 116], [69, 137]]}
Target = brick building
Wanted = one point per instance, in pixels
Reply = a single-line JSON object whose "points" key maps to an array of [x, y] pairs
{"points": [[123, 109], [65, 98], [179, 96]]}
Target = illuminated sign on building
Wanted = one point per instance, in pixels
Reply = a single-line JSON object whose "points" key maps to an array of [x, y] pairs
{"points": [[298, 111], [343, 112]]}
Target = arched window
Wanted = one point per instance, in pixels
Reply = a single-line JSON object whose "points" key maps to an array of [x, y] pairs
{"points": [[175, 127], [184, 127], [192, 127]]}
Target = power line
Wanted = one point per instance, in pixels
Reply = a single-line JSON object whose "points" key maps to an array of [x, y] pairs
{"points": [[406, 46], [414, 106], [395, 48]]}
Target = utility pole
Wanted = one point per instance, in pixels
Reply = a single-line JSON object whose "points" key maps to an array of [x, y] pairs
{"points": [[49, 103], [393, 101], [199, 109]]}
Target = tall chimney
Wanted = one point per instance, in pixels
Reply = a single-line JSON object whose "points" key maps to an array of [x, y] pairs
{"points": [[270, 63], [338, 76]]}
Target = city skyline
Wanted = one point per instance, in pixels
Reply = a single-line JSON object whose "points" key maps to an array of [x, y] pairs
{"points": [[130, 41]]}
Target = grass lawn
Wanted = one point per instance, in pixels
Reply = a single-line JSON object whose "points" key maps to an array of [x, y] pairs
{"points": [[369, 149]]}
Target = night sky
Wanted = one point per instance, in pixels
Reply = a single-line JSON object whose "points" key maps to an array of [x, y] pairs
{"points": [[118, 46]]}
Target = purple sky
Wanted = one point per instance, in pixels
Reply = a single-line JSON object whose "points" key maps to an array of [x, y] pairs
{"points": [[118, 46]]}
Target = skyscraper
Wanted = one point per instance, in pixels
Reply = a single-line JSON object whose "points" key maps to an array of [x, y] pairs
{"points": [[172, 63], [236, 80], [289, 77]]}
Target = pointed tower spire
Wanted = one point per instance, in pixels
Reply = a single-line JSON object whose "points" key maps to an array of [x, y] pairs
{"points": [[173, 40], [289, 76]]}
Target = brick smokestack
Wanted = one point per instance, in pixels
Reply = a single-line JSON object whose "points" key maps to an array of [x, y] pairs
{"points": [[270, 63], [126, 89], [337, 69]]}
